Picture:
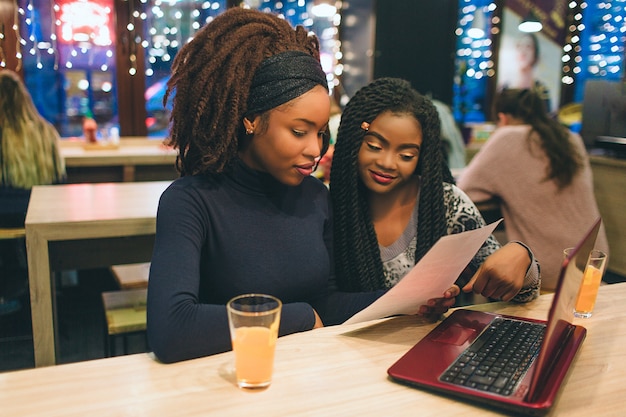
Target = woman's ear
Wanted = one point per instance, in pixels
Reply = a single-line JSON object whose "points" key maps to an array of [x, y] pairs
{"points": [[248, 125], [503, 119]]}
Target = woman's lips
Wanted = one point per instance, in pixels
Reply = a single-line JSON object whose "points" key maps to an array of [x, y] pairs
{"points": [[382, 178], [305, 169]]}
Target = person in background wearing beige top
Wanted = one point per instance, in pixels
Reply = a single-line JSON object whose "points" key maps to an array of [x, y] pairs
{"points": [[539, 172]]}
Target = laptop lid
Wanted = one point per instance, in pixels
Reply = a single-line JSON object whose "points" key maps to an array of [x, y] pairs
{"points": [[423, 364], [561, 313]]}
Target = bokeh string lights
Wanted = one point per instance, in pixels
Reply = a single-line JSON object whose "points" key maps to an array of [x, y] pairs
{"points": [[157, 28], [596, 47], [478, 23]]}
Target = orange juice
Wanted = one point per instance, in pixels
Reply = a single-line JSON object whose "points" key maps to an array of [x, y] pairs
{"points": [[588, 290], [254, 355]]}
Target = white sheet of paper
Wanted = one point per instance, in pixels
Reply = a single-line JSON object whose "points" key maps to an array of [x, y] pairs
{"points": [[430, 277]]}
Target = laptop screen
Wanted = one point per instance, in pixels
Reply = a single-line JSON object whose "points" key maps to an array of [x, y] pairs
{"points": [[561, 313]]}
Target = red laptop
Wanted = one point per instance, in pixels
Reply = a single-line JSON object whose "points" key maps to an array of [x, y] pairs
{"points": [[503, 361]]}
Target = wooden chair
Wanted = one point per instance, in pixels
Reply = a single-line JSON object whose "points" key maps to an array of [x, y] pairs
{"points": [[11, 284], [131, 276], [125, 315]]}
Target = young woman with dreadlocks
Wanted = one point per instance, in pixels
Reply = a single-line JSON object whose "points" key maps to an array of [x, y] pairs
{"points": [[393, 198], [250, 112]]}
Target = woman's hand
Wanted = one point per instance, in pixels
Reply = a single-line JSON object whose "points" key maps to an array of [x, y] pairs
{"points": [[435, 307], [318, 321], [502, 274]]}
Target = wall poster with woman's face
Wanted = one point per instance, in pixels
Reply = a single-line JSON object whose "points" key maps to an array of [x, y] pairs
{"points": [[532, 60]]}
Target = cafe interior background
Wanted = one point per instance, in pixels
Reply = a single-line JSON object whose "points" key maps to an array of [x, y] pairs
{"points": [[110, 59]]}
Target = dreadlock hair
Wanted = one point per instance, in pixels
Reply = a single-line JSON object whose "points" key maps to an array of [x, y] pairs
{"points": [[528, 106], [357, 255], [29, 148], [211, 79]]}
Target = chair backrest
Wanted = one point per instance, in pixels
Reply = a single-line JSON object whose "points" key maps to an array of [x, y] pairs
{"points": [[132, 275]]}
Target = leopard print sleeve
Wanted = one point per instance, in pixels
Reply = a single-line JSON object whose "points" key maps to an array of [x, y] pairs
{"points": [[462, 214]]}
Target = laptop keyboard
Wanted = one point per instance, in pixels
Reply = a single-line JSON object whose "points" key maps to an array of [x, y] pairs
{"points": [[498, 358]]}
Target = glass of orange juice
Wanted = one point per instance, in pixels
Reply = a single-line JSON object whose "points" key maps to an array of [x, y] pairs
{"points": [[253, 320], [594, 271]]}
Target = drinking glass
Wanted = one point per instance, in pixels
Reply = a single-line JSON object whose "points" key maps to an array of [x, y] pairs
{"points": [[592, 277], [253, 320]]}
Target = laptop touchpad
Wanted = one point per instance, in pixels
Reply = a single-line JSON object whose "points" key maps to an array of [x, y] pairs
{"points": [[454, 335]]}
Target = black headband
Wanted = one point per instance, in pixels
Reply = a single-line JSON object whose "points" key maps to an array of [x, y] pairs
{"points": [[283, 77]]}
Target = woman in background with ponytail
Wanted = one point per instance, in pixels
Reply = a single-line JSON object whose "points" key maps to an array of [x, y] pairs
{"points": [[539, 172]]}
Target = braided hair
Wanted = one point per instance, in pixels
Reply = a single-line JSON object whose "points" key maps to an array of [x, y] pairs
{"points": [[211, 79], [357, 255], [527, 106]]}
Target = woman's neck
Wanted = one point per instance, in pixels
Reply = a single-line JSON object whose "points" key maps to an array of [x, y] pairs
{"points": [[391, 212]]}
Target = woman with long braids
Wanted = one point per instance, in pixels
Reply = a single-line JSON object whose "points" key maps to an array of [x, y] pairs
{"points": [[393, 198], [249, 120], [540, 173]]}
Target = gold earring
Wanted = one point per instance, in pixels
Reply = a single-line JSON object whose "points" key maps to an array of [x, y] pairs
{"points": [[249, 131], [365, 126]]}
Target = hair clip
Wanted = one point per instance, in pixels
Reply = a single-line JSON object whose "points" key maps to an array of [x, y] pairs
{"points": [[365, 126]]}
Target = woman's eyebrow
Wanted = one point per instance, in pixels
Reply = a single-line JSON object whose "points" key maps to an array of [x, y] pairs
{"points": [[376, 135], [310, 122]]}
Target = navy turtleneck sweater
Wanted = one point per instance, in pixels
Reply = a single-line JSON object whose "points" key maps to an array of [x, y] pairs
{"points": [[219, 236]]}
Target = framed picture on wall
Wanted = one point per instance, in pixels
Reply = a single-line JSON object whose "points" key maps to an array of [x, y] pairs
{"points": [[532, 60]]}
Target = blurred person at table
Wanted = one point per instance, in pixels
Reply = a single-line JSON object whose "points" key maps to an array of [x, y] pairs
{"points": [[249, 119], [29, 150], [393, 198], [29, 156], [539, 172], [451, 137]]}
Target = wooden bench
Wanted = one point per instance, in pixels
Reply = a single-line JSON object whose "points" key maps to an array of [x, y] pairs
{"points": [[125, 314]]}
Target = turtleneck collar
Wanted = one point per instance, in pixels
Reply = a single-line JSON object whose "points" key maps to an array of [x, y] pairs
{"points": [[255, 182]]}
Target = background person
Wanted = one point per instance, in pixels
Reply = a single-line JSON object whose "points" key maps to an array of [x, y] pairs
{"points": [[29, 150], [29, 156], [451, 137], [540, 173]]}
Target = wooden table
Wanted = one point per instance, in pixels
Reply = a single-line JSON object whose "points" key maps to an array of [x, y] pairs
{"points": [[334, 371], [133, 159], [82, 226]]}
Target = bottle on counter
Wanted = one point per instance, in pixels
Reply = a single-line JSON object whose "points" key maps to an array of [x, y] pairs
{"points": [[89, 128]]}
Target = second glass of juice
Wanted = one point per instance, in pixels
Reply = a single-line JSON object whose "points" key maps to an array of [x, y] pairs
{"points": [[594, 270]]}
